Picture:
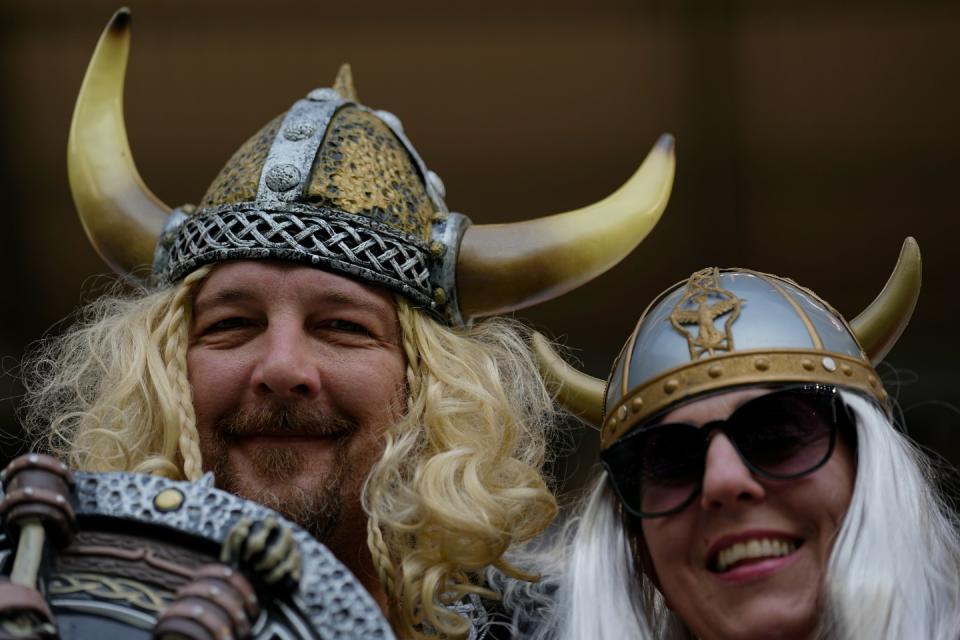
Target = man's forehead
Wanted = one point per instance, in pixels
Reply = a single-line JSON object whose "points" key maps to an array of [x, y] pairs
{"points": [[264, 280]]}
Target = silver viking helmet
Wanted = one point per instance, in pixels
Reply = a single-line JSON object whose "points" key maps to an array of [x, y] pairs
{"points": [[335, 184], [725, 328]]}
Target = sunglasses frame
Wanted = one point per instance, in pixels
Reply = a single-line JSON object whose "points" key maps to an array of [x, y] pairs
{"points": [[841, 417]]}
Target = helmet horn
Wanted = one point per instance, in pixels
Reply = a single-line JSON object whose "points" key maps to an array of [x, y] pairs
{"points": [[505, 267], [881, 323], [579, 393], [121, 216]]}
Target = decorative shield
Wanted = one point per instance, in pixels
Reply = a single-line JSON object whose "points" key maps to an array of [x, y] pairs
{"points": [[123, 555]]}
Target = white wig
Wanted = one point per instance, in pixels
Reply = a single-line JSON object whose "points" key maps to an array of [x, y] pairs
{"points": [[894, 571], [895, 568]]}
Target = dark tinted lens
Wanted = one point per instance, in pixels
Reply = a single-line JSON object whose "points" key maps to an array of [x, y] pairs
{"points": [[670, 467], [787, 433], [656, 470]]}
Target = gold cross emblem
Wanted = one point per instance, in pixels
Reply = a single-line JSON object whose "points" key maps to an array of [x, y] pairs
{"points": [[703, 301]]}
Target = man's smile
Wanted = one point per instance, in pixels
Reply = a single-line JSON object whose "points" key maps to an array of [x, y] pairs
{"points": [[286, 439]]}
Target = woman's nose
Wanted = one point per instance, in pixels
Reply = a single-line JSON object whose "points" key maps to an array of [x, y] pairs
{"points": [[287, 369], [727, 482]]}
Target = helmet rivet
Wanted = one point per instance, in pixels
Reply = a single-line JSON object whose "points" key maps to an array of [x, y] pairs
{"points": [[283, 177], [168, 500], [807, 364], [761, 364], [612, 422], [299, 130], [847, 369], [829, 364], [715, 371], [437, 248], [622, 412], [439, 296], [636, 404], [872, 381], [671, 385]]}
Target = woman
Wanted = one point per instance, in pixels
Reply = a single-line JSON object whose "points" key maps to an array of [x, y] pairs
{"points": [[753, 483]]}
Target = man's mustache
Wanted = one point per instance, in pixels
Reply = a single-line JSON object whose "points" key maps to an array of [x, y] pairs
{"points": [[282, 420]]}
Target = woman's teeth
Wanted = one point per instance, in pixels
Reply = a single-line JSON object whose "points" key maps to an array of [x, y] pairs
{"points": [[753, 549]]}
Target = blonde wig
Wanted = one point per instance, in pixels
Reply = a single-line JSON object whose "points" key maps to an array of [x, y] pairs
{"points": [[111, 393], [894, 571], [459, 481]]}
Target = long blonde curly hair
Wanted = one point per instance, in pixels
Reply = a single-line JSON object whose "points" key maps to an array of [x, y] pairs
{"points": [[459, 482]]}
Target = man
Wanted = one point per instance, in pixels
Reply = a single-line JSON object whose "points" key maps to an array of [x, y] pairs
{"points": [[306, 337]]}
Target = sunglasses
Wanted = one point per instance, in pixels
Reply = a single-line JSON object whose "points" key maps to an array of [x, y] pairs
{"points": [[657, 469]]}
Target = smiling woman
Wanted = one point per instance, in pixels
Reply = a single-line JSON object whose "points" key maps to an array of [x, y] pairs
{"points": [[748, 547], [754, 484]]}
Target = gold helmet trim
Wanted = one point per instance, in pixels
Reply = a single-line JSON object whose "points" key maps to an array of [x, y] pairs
{"points": [[744, 368], [500, 267]]}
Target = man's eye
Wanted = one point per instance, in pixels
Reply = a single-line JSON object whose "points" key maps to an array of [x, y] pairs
{"points": [[228, 324], [347, 326]]}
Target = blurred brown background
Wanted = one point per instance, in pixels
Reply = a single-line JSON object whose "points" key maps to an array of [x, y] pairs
{"points": [[811, 138]]}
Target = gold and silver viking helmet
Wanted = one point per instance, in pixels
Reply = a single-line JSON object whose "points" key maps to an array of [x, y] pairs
{"points": [[335, 184], [724, 328]]}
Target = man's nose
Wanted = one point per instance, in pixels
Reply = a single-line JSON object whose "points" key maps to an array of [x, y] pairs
{"points": [[287, 369], [727, 482]]}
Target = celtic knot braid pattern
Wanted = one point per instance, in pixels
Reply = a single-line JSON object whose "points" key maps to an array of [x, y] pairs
{"points": [[341, 242]]}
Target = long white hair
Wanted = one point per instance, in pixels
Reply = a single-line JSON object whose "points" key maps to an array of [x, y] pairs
{"points": [[894, 571], [895, 568]]}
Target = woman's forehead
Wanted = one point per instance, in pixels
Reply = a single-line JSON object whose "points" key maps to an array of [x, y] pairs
{"points": [[717, 406]]}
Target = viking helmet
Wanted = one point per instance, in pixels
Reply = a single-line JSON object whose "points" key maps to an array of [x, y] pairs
{"points": [[725, 328], [335, 184]]}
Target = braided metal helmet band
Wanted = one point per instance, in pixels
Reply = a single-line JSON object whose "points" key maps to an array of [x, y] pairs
{"points": [[342, 242]]}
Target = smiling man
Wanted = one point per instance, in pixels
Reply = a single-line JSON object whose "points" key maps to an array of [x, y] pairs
{"points": [[296, 374], [306, 336]]}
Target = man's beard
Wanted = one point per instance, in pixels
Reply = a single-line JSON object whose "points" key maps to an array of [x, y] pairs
{"points": [[316, 508]]}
